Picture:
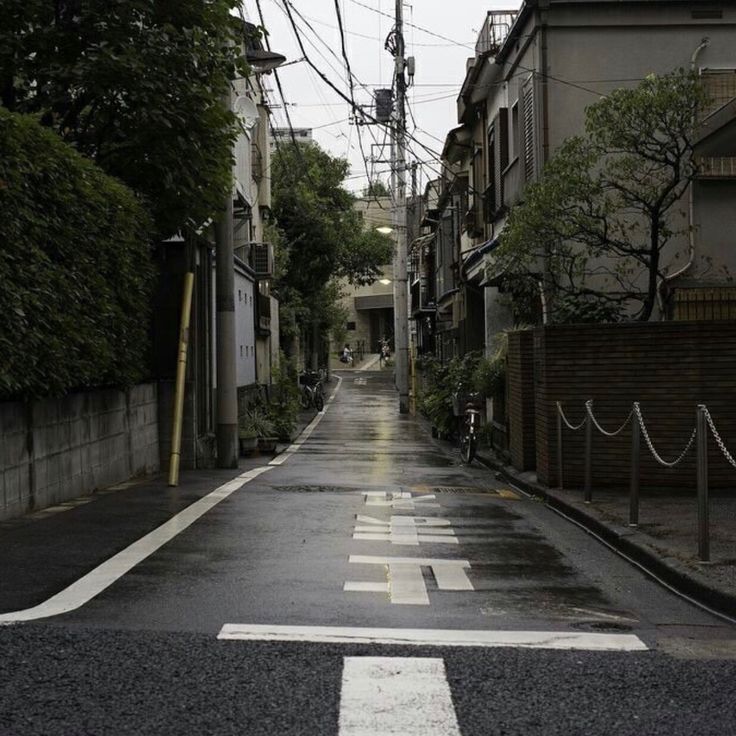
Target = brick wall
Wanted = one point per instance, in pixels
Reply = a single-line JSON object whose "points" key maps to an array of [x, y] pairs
{"points": [[669, 367], [52, 450], [520, 402]]}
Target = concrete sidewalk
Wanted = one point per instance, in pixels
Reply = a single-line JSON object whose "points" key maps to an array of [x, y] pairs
{"points": [[665, 540]]}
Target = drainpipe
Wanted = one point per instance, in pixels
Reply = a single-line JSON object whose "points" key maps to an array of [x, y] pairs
{"points": [[690, 211]]}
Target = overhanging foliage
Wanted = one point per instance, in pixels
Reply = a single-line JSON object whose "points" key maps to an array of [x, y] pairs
{"points": [[75, 268]]}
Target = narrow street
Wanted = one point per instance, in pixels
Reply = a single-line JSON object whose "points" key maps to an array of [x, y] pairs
{"points": [[274, 612]]}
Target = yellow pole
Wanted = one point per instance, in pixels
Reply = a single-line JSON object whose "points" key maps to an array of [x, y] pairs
{"points": [[181, 370]]}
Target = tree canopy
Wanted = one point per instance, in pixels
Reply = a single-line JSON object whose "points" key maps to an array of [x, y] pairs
{"points": [[590, 234], [135, 85], [322, 235]]}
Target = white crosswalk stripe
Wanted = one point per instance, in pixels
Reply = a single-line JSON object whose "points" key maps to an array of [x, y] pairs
{"points": [[401, 696]]}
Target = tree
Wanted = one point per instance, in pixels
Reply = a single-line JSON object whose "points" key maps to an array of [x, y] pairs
{"points": [[322, 235], [136, 86], [591, 233], [375, 189]]}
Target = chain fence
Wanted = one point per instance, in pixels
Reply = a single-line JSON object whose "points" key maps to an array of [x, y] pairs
{"points": [[704, 425]]}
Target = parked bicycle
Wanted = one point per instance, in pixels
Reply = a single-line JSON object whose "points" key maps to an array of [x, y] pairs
{"points": [[312, 392], [470, 428]]}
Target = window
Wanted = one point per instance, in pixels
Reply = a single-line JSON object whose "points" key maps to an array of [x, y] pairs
{"points": [[350, 326]]}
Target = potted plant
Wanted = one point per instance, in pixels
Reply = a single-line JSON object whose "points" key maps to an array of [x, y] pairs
{"points": [[253, 426]]}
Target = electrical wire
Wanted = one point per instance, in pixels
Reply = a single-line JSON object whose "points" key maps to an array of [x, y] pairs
{"points": [[414, 25]]}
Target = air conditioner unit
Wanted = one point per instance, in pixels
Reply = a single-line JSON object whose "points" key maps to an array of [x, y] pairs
{"points": [[261, 259]]}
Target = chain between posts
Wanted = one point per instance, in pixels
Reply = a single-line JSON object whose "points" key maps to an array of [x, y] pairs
{"points": [[650, 445], [717, 437], [589, 410], [564, 419]]}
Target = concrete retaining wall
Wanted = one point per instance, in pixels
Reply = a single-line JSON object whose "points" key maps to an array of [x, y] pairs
{"points": [[52, 450]]}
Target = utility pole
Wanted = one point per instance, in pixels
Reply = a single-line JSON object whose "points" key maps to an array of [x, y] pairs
{"points": [[398, 168], [227, 396]]}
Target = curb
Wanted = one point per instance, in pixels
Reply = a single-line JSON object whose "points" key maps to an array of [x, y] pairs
{"points": [[665, 570]]}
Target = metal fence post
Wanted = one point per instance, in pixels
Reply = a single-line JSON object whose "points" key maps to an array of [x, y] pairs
{"points": [[634, 485], [703, 525], [588, 458], [559, 449]]}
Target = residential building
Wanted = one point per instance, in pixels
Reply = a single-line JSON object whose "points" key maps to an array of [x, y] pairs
{"points": [[369, 308], [287, 136], [256, 310], [525, 91]]}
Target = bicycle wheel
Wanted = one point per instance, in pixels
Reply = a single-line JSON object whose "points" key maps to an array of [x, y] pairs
{"points": [[305, 398], [467, 447], [319, 402]]}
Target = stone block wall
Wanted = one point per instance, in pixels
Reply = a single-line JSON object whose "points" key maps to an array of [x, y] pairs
{"points": [[52, 450]]}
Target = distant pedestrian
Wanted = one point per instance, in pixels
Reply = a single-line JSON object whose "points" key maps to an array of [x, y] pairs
{"points": [[347, 355]]}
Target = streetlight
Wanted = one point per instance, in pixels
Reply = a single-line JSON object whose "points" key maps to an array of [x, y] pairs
{"points": [[384, 230], [264, 61]]}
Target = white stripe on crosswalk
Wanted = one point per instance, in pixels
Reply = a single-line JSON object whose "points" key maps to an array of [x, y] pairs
{"points": [[401, 696], [436, 637]]}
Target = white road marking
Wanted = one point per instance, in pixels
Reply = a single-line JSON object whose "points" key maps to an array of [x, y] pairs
{"points": [[451, 578], [399, 500], [307, 431], [406, 530], [357, 587], [396, 696], [436, 637], [104, 575], [406, 581], [406, 585]]}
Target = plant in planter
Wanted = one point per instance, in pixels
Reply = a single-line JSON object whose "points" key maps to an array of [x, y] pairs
{"points": [[254, 425]]}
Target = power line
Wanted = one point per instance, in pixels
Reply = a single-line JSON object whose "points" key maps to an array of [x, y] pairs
{"points": [[414, 25]]}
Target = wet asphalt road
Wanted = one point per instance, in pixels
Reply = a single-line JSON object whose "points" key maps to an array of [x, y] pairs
{"points": [[143, 658]]}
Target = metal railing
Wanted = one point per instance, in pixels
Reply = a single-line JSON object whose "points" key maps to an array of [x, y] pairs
{"points": [[699, 436]]}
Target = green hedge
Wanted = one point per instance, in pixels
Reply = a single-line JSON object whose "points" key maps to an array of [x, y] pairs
{"points": [[75, 268]]}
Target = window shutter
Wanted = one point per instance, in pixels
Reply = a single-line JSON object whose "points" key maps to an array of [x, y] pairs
{"points": [[529, 132], [500, 154]]}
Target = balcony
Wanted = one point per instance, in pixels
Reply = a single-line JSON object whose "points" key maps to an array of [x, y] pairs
{"points": [[494, 32], [717, 167], [420, 299], [263, 313], [261, 260]]}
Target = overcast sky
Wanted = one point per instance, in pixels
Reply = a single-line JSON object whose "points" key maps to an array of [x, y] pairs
{"points": [[440, 68]]}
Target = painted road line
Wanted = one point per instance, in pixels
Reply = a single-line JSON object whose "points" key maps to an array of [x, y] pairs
{"points": [[409, 540], [399, 500], [357, 587], [436, 637], [451, 578], [396, 696], [406, 585], [406, 579], [104, 575], [307, 431]]}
